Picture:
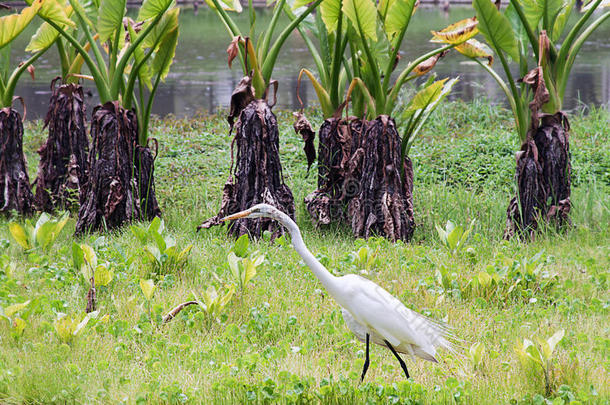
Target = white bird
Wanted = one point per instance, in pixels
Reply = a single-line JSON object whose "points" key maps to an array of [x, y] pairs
{"points": [[369, 311]]}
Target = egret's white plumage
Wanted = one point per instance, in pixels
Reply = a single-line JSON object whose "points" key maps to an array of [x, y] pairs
{"points": [[367, 308]]}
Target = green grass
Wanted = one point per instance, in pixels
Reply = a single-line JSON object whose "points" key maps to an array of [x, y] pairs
{"points": [[282, 338]]}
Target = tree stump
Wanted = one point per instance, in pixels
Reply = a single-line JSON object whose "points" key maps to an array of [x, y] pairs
{"points": [[111, 194], [63, 157], [257, 176], [15, 191], [384, 203]]}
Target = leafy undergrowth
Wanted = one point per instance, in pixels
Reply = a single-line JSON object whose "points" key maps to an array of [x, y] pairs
{"points": [[533, 318]]}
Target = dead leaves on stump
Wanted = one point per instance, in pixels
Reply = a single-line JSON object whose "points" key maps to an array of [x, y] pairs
{"points": [[257, 175], [362, 179], [63, 157], [15, 191]]}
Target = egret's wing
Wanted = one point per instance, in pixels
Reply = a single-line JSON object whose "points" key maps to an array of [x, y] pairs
{"points": [[379, 311]]}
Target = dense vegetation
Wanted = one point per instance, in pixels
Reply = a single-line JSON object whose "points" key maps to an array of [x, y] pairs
{"points": [[277, 336]]}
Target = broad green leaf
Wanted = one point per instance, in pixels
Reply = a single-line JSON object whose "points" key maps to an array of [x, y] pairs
{"points": [[19, 235], [454, 236], [458, 32], [89, 256], [110, 18], [241, 245], [103, 275], [65, 327], [153, 253], [441, 234], [152, 8], [78, 257], [54, 10], [330, 10], [13, 309], [562, 18], [148, 288], [233, 264], [496, 28], [80, 327], [19, 326], [363, 15], [475, 49], [476, 352], [138, 54], [484, 279], [165, 54], [553, 340], [398, 16], [427, 95], [140, 233], [184, 253], [249, 271], [156, 225], [46, 35], [168, 23], [228, 5], [13, 24]]}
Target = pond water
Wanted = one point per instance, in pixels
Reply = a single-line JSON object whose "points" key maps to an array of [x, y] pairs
{"points": [[200, 79]]}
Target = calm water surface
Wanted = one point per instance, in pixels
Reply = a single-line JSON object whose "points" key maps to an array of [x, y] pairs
{"points": [[201, 81]]}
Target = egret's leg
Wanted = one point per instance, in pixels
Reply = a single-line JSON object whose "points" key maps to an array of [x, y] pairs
{"points": [[400, 360], [366, 361]]}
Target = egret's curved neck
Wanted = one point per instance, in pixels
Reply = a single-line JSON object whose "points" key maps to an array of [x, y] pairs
{"points": [[329, 281]]}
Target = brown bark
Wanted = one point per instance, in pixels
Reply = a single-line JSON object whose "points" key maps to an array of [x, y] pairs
{"points": [[63, 157], [15, 191], [338, 183], [384, 202], [257, 176], [111, 194]]}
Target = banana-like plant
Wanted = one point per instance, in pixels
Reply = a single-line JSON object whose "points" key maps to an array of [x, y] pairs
{"points": [[257, 135], [535, 35], [376, 32], [119, 135], [15, 191]]}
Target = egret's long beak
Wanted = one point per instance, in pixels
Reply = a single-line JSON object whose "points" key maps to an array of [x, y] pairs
{"points": [[238, 215]]}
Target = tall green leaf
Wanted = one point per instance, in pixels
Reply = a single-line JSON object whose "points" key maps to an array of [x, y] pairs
{"points": [[496, 28], [398, 16], [363, 15], [110, 18], [165, 55]]}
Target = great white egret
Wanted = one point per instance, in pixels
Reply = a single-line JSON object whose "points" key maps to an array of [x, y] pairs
{"points": [[369, 311]]}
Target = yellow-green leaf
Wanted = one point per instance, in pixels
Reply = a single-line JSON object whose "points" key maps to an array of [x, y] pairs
{"points": [[148, 288], [13, 24], [13, 309], [421, 100], [330, 10], [475, 49], [46, 35], [65, 326], [103, 275], [363, 15], [18, 326], [19, 235], [458, 32]]}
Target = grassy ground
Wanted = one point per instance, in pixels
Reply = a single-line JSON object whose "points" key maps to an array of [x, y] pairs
{"points": [[281, 338]]}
